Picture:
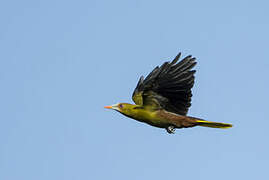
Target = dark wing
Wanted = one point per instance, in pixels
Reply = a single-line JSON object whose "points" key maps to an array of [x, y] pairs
{"points": [[168, 86]]}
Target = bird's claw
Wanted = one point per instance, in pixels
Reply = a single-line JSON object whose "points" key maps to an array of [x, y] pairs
{"points": [[170, 129]]}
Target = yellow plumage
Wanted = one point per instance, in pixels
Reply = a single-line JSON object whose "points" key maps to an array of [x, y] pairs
{"points": [[213, 124]]}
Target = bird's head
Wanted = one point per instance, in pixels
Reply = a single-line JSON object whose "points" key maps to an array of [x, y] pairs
{"points": [[123, 108]]}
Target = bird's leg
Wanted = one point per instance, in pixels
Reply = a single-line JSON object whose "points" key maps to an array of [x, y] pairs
{"points": [[170, 129]]}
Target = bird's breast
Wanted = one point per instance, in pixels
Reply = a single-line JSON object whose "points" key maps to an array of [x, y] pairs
{"points": [[150, 117]]}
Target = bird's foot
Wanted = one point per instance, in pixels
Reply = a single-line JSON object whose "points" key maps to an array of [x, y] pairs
{"points": [[170, 129]]}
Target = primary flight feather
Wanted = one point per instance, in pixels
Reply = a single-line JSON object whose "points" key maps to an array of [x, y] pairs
{"points": [[163, 98]]}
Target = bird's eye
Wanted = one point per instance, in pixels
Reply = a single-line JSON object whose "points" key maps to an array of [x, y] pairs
{"points": [[121, 105]]}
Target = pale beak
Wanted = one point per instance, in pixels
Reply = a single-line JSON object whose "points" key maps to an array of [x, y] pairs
{"points": [[114, 106]]}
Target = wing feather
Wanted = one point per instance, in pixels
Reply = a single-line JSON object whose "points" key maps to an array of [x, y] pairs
{"points": [[168, 86]]}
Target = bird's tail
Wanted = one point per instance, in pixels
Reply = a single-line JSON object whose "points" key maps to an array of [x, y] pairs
{"points": [[213, 124]]}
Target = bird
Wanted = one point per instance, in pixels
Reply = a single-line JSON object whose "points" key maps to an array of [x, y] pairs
{"points": [[163, 98]]}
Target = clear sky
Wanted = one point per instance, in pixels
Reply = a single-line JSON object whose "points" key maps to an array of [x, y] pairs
{"points": [[62, 61]]}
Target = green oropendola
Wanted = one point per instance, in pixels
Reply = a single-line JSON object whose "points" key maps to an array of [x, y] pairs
{"points": [[163, 98]]}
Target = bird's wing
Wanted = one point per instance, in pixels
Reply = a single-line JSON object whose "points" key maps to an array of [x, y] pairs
{"points": [[168, 86]]}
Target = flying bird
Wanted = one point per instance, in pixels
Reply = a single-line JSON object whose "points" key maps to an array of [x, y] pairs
{"points": [[163, 98]]}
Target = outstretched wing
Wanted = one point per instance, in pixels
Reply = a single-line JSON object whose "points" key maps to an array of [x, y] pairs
{"points": [[168, 86]]}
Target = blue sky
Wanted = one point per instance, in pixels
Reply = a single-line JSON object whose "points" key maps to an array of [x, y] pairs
{"points": [[62, 61]]}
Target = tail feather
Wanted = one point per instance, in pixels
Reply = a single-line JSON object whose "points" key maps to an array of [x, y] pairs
{"points": [[213, 124]]}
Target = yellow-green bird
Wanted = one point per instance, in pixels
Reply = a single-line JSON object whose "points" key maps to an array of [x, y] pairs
{"points": [[163, 98]]}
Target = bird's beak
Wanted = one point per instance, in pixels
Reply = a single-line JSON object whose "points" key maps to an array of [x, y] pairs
{"points": [[108, 107], [114, 106]]}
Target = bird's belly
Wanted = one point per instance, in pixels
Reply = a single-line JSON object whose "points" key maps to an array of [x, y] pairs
{"points": [[152, 119], [163, 119]]}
